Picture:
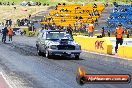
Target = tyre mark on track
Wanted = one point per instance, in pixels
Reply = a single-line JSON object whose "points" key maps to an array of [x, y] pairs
{"points": [[30, 50]]}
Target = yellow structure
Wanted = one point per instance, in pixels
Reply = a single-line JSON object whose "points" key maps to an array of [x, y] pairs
{"points": [[100, 45], [28, 33], [64, 15], [26, 30], [125, 51]]}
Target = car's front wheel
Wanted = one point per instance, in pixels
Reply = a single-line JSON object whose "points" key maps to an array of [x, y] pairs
{"points": [[47, 54], [77, 57], [39, 52]]}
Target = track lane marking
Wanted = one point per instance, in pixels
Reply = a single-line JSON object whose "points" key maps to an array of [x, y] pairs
{"points": [[10, 86]]}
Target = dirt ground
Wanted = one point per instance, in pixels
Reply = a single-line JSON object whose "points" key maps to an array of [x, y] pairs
{"points": [[9, 12]]}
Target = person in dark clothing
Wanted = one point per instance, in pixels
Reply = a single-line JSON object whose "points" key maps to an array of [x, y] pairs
{"points": [[115, 4], [106, 4], [102, 32], [15, 8], [8, 3], [2, 23], [108, 33], [4, 33], [18, 22], [53, 26], [13, 3], [10, 22], [66, 10], [40, 4], [44, 4], [4, 4], [59, 4], [22, 22], [0, 3], [127, 33], [94, 5], [76, 17], [69, 29], [64, 4], [24, 32], [29, 16], [80, 17], [30, 28], [96, 22], [7, 22]]}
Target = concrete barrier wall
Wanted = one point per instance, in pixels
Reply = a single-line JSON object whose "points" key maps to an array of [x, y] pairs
{"points": [[100, 45], [125, 51]]}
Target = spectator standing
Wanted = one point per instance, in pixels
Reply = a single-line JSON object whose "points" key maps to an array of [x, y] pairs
{"points": [[10, 22], [108, 33], [106, 4], [2, 23], [90, 29], [78, 24], [4, 33], [115, 4], [127, 33], [29, 16], [94, 5], [14, 8], [0, 3], [22, 22], [119, 36], [13, 3], [7, 22], [102, 32], [64, 28], [53, 26], [10, 33], [18, 22], [69, 29], [96, 22], [83, 28], [30, 27]]}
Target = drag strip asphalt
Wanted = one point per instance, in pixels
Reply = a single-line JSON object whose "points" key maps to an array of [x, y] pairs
{"points": [[22, 65]]}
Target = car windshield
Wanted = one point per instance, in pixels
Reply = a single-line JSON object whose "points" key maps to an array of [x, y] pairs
{"points": [[58, 36]]}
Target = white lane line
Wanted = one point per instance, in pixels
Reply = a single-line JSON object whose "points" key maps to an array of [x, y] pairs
{"points": [[114, 56], [10, 86]]}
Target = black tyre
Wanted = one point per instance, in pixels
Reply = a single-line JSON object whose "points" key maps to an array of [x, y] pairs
{"points": [[47, 54], [39, 52], [77, 57]]}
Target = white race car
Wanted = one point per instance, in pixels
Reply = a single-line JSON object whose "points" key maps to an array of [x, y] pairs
{"points": [[60, 43]]}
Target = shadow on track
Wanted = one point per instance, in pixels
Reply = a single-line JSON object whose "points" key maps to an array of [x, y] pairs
{"points": [[64, 58]]}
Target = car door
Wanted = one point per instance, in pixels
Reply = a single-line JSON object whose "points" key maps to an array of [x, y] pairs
{"points": [[39, 39], [42, 42]]}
